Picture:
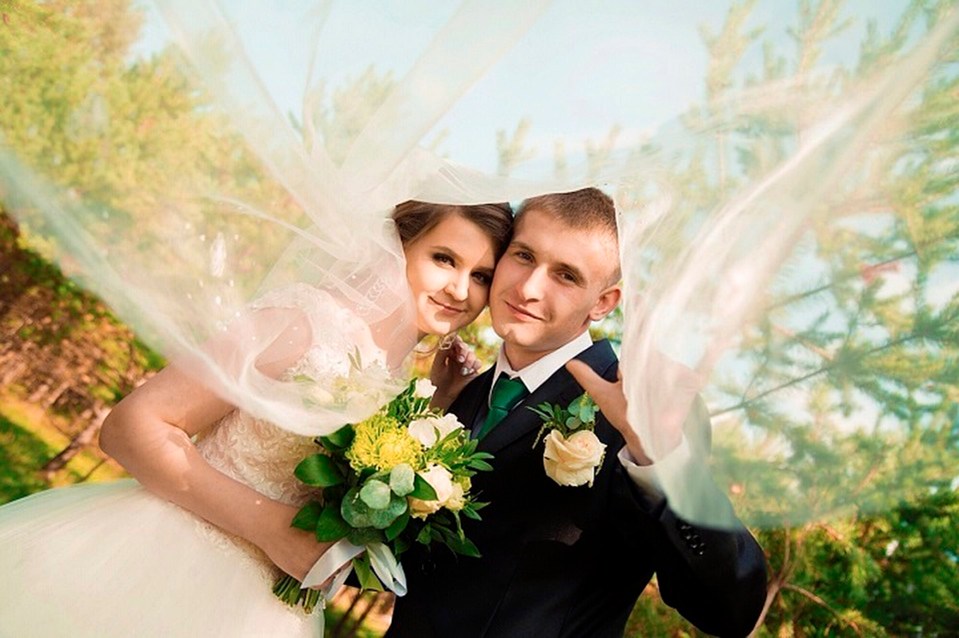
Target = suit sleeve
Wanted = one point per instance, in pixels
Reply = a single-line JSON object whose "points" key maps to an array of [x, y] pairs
{"points": [[716, 578]]}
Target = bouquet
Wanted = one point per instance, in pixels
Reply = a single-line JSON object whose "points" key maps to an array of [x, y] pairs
{"points": [[401, 476]]}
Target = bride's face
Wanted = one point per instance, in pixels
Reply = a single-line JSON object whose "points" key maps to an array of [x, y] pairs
{"points": [[449, 270]]}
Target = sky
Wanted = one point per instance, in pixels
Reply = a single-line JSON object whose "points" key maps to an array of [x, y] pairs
{"points": [[579, 70]]}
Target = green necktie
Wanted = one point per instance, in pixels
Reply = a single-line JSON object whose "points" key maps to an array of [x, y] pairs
{"points": [[506, 393]]}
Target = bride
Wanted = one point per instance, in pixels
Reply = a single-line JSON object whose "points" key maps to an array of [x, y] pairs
{"points": [[194, 544]]}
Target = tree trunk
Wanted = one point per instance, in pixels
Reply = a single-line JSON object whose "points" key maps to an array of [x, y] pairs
{"points": [[372, 602], [76, 444]]}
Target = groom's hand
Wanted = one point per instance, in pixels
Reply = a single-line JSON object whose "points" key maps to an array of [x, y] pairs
{"points": [[666, 420], [611, 402]]}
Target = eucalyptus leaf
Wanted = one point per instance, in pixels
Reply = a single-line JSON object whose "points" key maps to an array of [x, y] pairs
{"points": [[376, 494], [358, 514], [402, 479]]}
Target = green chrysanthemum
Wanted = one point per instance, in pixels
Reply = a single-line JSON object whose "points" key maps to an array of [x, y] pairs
{"points": [[381, 442]]}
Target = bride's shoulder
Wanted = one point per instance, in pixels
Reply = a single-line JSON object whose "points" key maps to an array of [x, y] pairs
{"points": [[316, 303], [336, 330]]}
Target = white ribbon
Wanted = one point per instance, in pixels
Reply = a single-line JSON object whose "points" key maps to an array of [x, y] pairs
{"points": [[342, 552], [336, 561]]}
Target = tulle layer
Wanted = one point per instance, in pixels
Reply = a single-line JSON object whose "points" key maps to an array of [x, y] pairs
{"points": [[112, 560]]}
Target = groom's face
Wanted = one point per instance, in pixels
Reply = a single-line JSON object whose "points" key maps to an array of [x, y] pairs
{"points": [[551, 283]]}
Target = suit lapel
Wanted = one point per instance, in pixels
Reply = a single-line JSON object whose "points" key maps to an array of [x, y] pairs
{"points": [[561, 389]]}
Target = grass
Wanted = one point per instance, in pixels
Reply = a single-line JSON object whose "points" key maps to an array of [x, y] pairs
{"points": [[28, 439], [20, 451]]}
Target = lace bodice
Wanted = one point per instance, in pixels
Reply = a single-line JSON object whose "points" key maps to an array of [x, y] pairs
{"points": [[262, 454]]}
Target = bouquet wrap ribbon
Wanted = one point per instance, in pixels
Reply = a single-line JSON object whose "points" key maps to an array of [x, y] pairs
{"points": [[342, 552], [384, 564]]}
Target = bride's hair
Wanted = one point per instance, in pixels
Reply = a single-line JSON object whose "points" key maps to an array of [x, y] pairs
{"points": [[414, 218]]}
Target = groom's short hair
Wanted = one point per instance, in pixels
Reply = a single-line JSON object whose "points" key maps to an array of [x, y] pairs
{"points": [[588, 209]]}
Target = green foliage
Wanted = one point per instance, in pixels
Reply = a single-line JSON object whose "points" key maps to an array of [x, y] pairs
{"points": [[20, 451], [319, 470], [580, 414]]}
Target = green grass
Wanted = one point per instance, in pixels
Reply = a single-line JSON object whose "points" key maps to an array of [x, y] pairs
{"points": [[21, 454], [28, 439]]}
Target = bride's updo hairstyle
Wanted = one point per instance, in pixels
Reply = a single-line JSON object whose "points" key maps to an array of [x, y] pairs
{"points": [[414, 218]]}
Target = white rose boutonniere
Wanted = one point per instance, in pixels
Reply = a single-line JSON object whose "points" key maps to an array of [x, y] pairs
{"points": [[572, 450]]}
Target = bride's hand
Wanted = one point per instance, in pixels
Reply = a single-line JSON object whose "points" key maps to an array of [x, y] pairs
{"points": [[293, 550], [452, 369]]}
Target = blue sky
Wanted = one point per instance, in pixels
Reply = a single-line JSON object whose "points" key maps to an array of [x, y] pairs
{"points": [[582, 68]]}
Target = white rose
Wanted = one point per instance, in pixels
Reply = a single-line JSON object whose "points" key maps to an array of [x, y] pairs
{"points": [[442, 482], [424, 389], [430, 430], [457, 499], [572, 461]]}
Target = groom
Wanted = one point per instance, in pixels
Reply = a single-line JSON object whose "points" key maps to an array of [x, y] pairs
{"points": [[559, 560]]}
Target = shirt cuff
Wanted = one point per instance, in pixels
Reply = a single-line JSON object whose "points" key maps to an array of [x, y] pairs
{"points": [[646, 476]]}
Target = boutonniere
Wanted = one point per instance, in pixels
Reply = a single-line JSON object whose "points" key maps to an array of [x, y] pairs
{"points": [[572, 450]]}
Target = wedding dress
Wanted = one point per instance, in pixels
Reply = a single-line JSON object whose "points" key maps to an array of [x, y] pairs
{"points": [[113, 560]]}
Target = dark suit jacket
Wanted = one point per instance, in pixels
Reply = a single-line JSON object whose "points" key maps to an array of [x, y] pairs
{"points": [[572, 561]]}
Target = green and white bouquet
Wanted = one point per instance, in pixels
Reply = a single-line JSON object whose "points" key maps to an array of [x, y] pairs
{"points": [[401, 476]]}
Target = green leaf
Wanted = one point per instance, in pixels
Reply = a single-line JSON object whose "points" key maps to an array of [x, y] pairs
{"points": [[425, 535], [584, 408], [368, 580], [365, 536], [477, 464], [318, 470], [422, 489], [339, 440], [397, 527], [469, 512], [462, 546], [330, 526], [307, 517]]}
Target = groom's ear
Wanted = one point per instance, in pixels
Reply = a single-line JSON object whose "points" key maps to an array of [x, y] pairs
{"points": [[607, 301]]}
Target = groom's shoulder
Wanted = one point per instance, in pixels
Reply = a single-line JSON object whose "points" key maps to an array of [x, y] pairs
{"points": [[600, 357]]}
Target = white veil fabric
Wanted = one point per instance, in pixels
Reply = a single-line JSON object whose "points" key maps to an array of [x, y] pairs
{"points": [[783, 172]]}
